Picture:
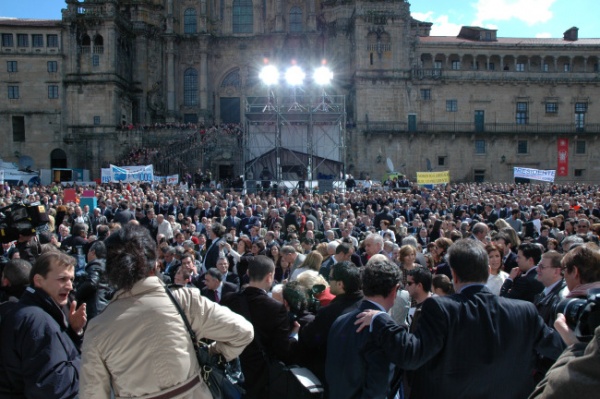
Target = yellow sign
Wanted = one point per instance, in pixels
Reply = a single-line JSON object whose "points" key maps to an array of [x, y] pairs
{"points": [[433, 177]]}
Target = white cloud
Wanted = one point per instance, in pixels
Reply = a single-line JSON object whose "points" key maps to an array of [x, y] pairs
{"points": [[529, 11], [441, 25], [543, 35]]}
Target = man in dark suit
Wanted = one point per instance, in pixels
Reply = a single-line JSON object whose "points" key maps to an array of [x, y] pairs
{"points": [[466, 344], [549, 273], [356, 367], [232, 221], [344, 283], [522, 282], [215, 233], [273, 333], [123, 215], [214, 286], [227, 276]]}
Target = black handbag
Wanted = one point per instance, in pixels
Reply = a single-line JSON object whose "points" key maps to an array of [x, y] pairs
{"points": [[224, 379]]}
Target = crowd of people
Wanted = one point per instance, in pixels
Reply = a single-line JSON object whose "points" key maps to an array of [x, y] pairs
{"points": [[455, 290]]}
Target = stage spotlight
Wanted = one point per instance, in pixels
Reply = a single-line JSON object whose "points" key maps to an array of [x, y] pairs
{"points": [[322, 76], [294, 76], [269, 75]]}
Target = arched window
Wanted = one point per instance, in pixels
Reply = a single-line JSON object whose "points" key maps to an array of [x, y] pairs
{"points": [[98, 40], [295, 20], [242, 16], [190, 87], [189, 21], [86, 41]]}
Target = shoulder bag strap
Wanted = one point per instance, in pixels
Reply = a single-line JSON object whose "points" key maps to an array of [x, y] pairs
{"points": [[188, 326]]}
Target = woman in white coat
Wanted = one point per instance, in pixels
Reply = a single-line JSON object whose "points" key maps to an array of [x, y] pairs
{"points": [[139, 346]]}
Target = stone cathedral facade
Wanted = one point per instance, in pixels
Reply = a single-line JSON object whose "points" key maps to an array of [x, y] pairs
{"points": [[80, 91]]}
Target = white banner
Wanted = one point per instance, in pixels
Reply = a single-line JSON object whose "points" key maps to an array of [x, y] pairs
{"points": [[173, 179], [128, 174], [535, 174]]}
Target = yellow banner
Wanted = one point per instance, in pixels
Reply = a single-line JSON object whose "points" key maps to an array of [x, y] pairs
{"points": [[433, 177]]}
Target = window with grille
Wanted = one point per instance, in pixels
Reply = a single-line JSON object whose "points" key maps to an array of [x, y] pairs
{"points": [[189, 21], [580, 147], [52, 40], [22, 40], [425, 94], [522, 147], [37, 40], [456, 65], [480, 147], [522, 113], [296, 20], [52, 66], [190, 87], [451, 105], [242, 16], [13, 92], [11, 66], [53, 91], [551, 108], [7, 40]]}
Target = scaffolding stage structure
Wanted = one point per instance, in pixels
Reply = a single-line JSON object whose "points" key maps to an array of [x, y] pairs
{"points": [[295, 140]]}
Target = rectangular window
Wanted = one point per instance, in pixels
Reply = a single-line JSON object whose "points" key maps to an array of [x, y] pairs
{"points": [[567, 67], [551, 108], [441, 161], [579, 172], [596, 67], [479, 175], [545, 68], [52, 40], [22, 40], [580, 147], [95, 60], [522, 147], [437, 65], [522, 114], [451, 105], [425, 94], [475, 65], [580, 111], [96, 120], [491, 66], [13, 92], [520, 67], [480, 147], [190, 118], [53, 91], [52, 66], [11, 66], [37, 40], [456, 65], [18, 124], [7, 40]]}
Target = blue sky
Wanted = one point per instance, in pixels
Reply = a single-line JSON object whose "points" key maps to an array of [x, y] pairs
{"points": [[512, 18]]}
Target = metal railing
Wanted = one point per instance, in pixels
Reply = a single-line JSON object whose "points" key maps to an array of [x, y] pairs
{"points": [[471, 127]]}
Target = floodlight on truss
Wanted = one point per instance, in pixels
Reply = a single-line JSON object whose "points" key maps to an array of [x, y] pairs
{"points": [[322, 77], [269, 75], [294, 76]]}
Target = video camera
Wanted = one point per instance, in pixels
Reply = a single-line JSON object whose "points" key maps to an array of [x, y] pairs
{"points": [[582, 315], [21, 219]]}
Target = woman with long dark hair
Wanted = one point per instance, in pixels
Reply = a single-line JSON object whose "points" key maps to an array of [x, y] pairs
{"points": [[139, 345]]}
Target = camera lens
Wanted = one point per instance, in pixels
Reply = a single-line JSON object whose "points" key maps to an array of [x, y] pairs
{"points": [[571, 308]]}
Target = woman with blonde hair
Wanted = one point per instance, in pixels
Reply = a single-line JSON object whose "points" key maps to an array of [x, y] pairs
{"points": [[309, 279], [312, 261]]}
